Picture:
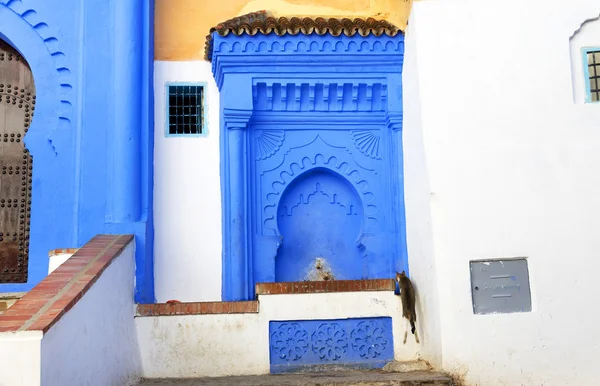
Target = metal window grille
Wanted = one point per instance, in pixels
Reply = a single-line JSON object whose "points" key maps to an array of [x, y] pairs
{"points": [[186, 110], [593, 62]]}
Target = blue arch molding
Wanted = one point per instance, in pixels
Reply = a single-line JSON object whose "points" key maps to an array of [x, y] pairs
{"points": [[291, 104], [91, 137]]}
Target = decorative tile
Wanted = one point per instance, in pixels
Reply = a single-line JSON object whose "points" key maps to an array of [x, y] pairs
{"points": [[357, 342]]}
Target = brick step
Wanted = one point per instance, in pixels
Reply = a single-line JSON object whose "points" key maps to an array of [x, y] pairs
{"points": [[175, 307], [315, 287], [337, 378]]}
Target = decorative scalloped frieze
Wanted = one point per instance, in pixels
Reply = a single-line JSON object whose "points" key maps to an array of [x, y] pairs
{"points": [[367, 142], [306, 53], [288, 172], [52, 43], [264, 23], [292, 44], [331, 198]]}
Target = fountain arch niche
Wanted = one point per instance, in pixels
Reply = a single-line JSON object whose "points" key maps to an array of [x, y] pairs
{"points": [[320, 217], [311, 150]]}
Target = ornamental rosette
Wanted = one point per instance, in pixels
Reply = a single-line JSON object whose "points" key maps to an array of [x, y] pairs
{"points": [[289, 342], [329, 342], [369, 339]]}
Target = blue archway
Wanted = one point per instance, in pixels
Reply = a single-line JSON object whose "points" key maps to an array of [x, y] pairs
{"points": [[320, 218], [53, 113]]}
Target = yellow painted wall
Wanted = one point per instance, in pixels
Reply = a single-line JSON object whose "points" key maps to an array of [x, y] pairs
{"points": [[182, 25]]}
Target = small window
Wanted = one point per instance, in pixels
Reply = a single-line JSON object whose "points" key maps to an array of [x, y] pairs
{"points": [[591, 59], [186, 109]]}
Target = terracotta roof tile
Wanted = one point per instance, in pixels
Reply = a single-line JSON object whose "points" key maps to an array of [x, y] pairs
{"points": [[262, 22]]}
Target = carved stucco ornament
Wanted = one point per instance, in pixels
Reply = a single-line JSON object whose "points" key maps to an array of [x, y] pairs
{"points": [[262, 22]]}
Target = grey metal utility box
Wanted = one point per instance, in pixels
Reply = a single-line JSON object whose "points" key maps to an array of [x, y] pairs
{"points": [[500, 286]]}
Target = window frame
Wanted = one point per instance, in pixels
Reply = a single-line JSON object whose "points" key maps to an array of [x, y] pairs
{"points": [[204, 126], [586, 73]]}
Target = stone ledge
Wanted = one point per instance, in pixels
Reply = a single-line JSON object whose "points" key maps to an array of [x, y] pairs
{"points": [[47, 302], [196, 308], [328, 378], [310, 287]]}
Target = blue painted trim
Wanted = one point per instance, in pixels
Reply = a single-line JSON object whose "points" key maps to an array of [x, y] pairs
{"points": [[586, 73], [204, 109], [236, 281], [144, 291], [124, 161]]}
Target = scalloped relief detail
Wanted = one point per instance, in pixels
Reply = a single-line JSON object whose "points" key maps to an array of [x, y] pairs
{"points": [[367, 142], [31, 17], [268, 143], [288, 173], [292, 45], [350, 210]]}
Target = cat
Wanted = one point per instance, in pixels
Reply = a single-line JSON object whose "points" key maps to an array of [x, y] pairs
{"points": [[407, 295]]}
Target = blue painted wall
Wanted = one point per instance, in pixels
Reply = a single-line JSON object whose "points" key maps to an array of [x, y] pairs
{"points": [[300, 116], [92, 136]]}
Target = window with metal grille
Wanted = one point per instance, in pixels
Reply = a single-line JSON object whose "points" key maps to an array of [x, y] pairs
{"points": [[186, 109], [592, 74]]}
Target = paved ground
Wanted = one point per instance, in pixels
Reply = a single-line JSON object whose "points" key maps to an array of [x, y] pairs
{"points": [[362, 378]]}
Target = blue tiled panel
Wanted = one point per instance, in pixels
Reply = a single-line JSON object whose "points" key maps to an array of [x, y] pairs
{"points": [[358, 342]]}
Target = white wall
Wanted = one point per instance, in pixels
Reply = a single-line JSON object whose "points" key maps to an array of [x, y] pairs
{"points": [[187, 196], [513, 169], [419, 237], [202, 345], [57, 260], [20, 357], [219, 345], [95, 343]]}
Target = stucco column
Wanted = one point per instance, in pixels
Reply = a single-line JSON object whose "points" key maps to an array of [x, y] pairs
{"points": [[236, 274], [123, 193], [394, 123]]}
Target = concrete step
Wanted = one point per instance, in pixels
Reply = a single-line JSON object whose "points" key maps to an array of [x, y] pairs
{"points": [[336, 378]]}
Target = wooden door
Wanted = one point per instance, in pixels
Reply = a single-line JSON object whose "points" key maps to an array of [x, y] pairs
{"points": [[17, 103]]}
